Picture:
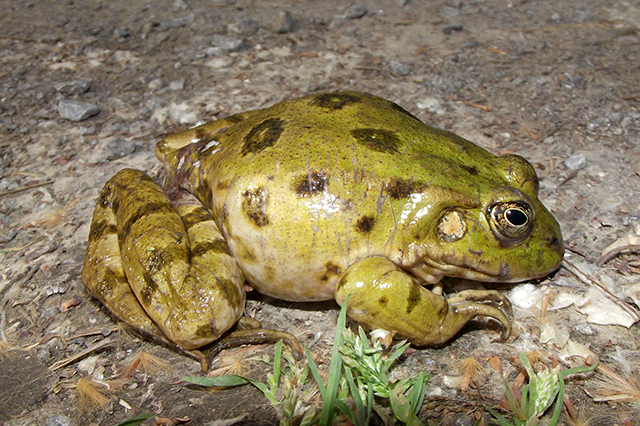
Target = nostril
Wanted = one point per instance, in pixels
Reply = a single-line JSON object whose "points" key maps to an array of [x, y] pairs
{"points": [[553, 242]]}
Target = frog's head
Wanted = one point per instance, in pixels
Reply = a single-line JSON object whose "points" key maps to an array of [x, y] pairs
{"points": [[503, 233]]}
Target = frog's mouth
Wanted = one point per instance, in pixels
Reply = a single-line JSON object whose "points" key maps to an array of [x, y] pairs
{"points": [[432, 272]]}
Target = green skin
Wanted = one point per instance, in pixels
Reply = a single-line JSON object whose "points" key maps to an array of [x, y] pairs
{"points": [[313, 199]]}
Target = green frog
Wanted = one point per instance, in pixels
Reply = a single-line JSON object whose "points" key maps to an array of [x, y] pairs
{"points": [[322, 197]]}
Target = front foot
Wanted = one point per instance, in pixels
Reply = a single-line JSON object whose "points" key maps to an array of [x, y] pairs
{"points": [[488, 303], [384, 296]]}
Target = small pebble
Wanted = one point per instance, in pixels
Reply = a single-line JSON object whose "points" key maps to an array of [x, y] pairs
{"points": [[50, 38], [399, 68], [176, 22], [120, 148], [155, 84], [576, 162], [75, 87], [432, 105], [229, 44], [182, 113], [76, 111], [354, 12], [244, 26], [220, 62], [177, 84], [59, 420], [451, 28], [180, 5], [283, 22]]}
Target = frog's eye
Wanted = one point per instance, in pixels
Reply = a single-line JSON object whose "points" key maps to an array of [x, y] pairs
{"points": [[511, 221]]}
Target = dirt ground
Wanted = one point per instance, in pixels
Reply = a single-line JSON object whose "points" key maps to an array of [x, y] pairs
{"points": [[555, 81]]}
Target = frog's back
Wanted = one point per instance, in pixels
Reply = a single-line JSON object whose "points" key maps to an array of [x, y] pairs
{"points": [[347, 131]]}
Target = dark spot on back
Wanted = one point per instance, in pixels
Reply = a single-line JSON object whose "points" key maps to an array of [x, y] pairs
{"points": [[472, 170], [221, 185], [310, 184], [334, 101], [205, 331], [247, 255], [254, 205], [365, 224], [414, 297], [332, 270], [398, 108], [263, 136], [553, 242], [383, 301], [399, 188], [379, 140]]}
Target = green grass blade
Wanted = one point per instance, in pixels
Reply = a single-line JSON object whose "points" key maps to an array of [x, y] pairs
{"points": [[369, 404], [364, 339], [530, 405], [510, 399], [353, 417], [526, 404], [555, 418], [309, 418], [136, 420], [315, 373], [357, 399], [416, 396], [277, 364], [399, 404], [499, 418], [226, 381], [329, 398], [397, 354]]}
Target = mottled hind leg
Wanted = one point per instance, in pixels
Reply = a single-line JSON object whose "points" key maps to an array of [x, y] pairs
{"points": [[384, 296], [104, 277], [175, 260]]}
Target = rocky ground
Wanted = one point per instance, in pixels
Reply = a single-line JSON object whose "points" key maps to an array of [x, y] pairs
{"points": [[88, 87]]}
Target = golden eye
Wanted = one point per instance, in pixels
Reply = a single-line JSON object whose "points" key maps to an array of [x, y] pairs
{"points": [[511, 220]]}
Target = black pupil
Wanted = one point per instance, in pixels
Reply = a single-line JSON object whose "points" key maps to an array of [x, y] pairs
{"points": [[516, 217]]}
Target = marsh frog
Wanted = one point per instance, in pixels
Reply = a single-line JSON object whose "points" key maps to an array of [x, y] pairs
{"points": [[318, 198]]}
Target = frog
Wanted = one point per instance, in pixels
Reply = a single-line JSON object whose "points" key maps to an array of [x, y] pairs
{"points": [[341, 196]]}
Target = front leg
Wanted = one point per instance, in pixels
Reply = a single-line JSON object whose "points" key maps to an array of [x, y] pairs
{"points": [[384, 296]]}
